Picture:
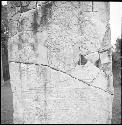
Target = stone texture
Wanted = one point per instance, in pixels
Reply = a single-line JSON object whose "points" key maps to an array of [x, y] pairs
{"points": [[14, 25], [13, 8], [26, 20], [60, 62]]}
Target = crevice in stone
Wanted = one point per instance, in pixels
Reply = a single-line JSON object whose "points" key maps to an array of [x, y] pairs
{"points": [[87, 83], [98, 62], [82, 60], [99, 51]]}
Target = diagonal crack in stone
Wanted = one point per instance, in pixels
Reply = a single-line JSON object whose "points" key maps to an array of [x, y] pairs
{"points": [[87, 83]]}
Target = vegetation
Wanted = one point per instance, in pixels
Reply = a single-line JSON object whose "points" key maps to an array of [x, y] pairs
{"points": [[116, 61], [4, 44]]}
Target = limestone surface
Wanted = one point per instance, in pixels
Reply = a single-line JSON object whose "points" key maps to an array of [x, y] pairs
{"points": [[60, 62]]}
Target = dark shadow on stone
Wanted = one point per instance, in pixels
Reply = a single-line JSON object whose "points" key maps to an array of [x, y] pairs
{"points": [[82, 60]]}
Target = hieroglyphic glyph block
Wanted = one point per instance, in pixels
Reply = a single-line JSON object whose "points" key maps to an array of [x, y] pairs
{"points": [[60, 62]]}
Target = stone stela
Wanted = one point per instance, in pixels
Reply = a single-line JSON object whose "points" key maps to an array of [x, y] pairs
{"points": [[60, 62]]}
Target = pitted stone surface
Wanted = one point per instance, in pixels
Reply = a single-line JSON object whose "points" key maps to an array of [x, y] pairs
{"points": [[26, 20], [53, 50]]}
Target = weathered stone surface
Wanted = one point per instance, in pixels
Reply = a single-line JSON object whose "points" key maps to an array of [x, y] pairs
{"points": [[21, 48], [15, 81], [92, 57], [26, 20], [13, 8], [54, 48], [103, 8], [86, 6], [105, 57], [28, 96], [32, 4], [70, 101], [14, 25], [25, 3]]}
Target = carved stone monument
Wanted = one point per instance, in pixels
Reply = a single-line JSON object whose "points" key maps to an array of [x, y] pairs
{"points": [[60, 62]]}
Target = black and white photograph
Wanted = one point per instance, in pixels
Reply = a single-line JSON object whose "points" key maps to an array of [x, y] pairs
{"points": [[61, 62]]}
